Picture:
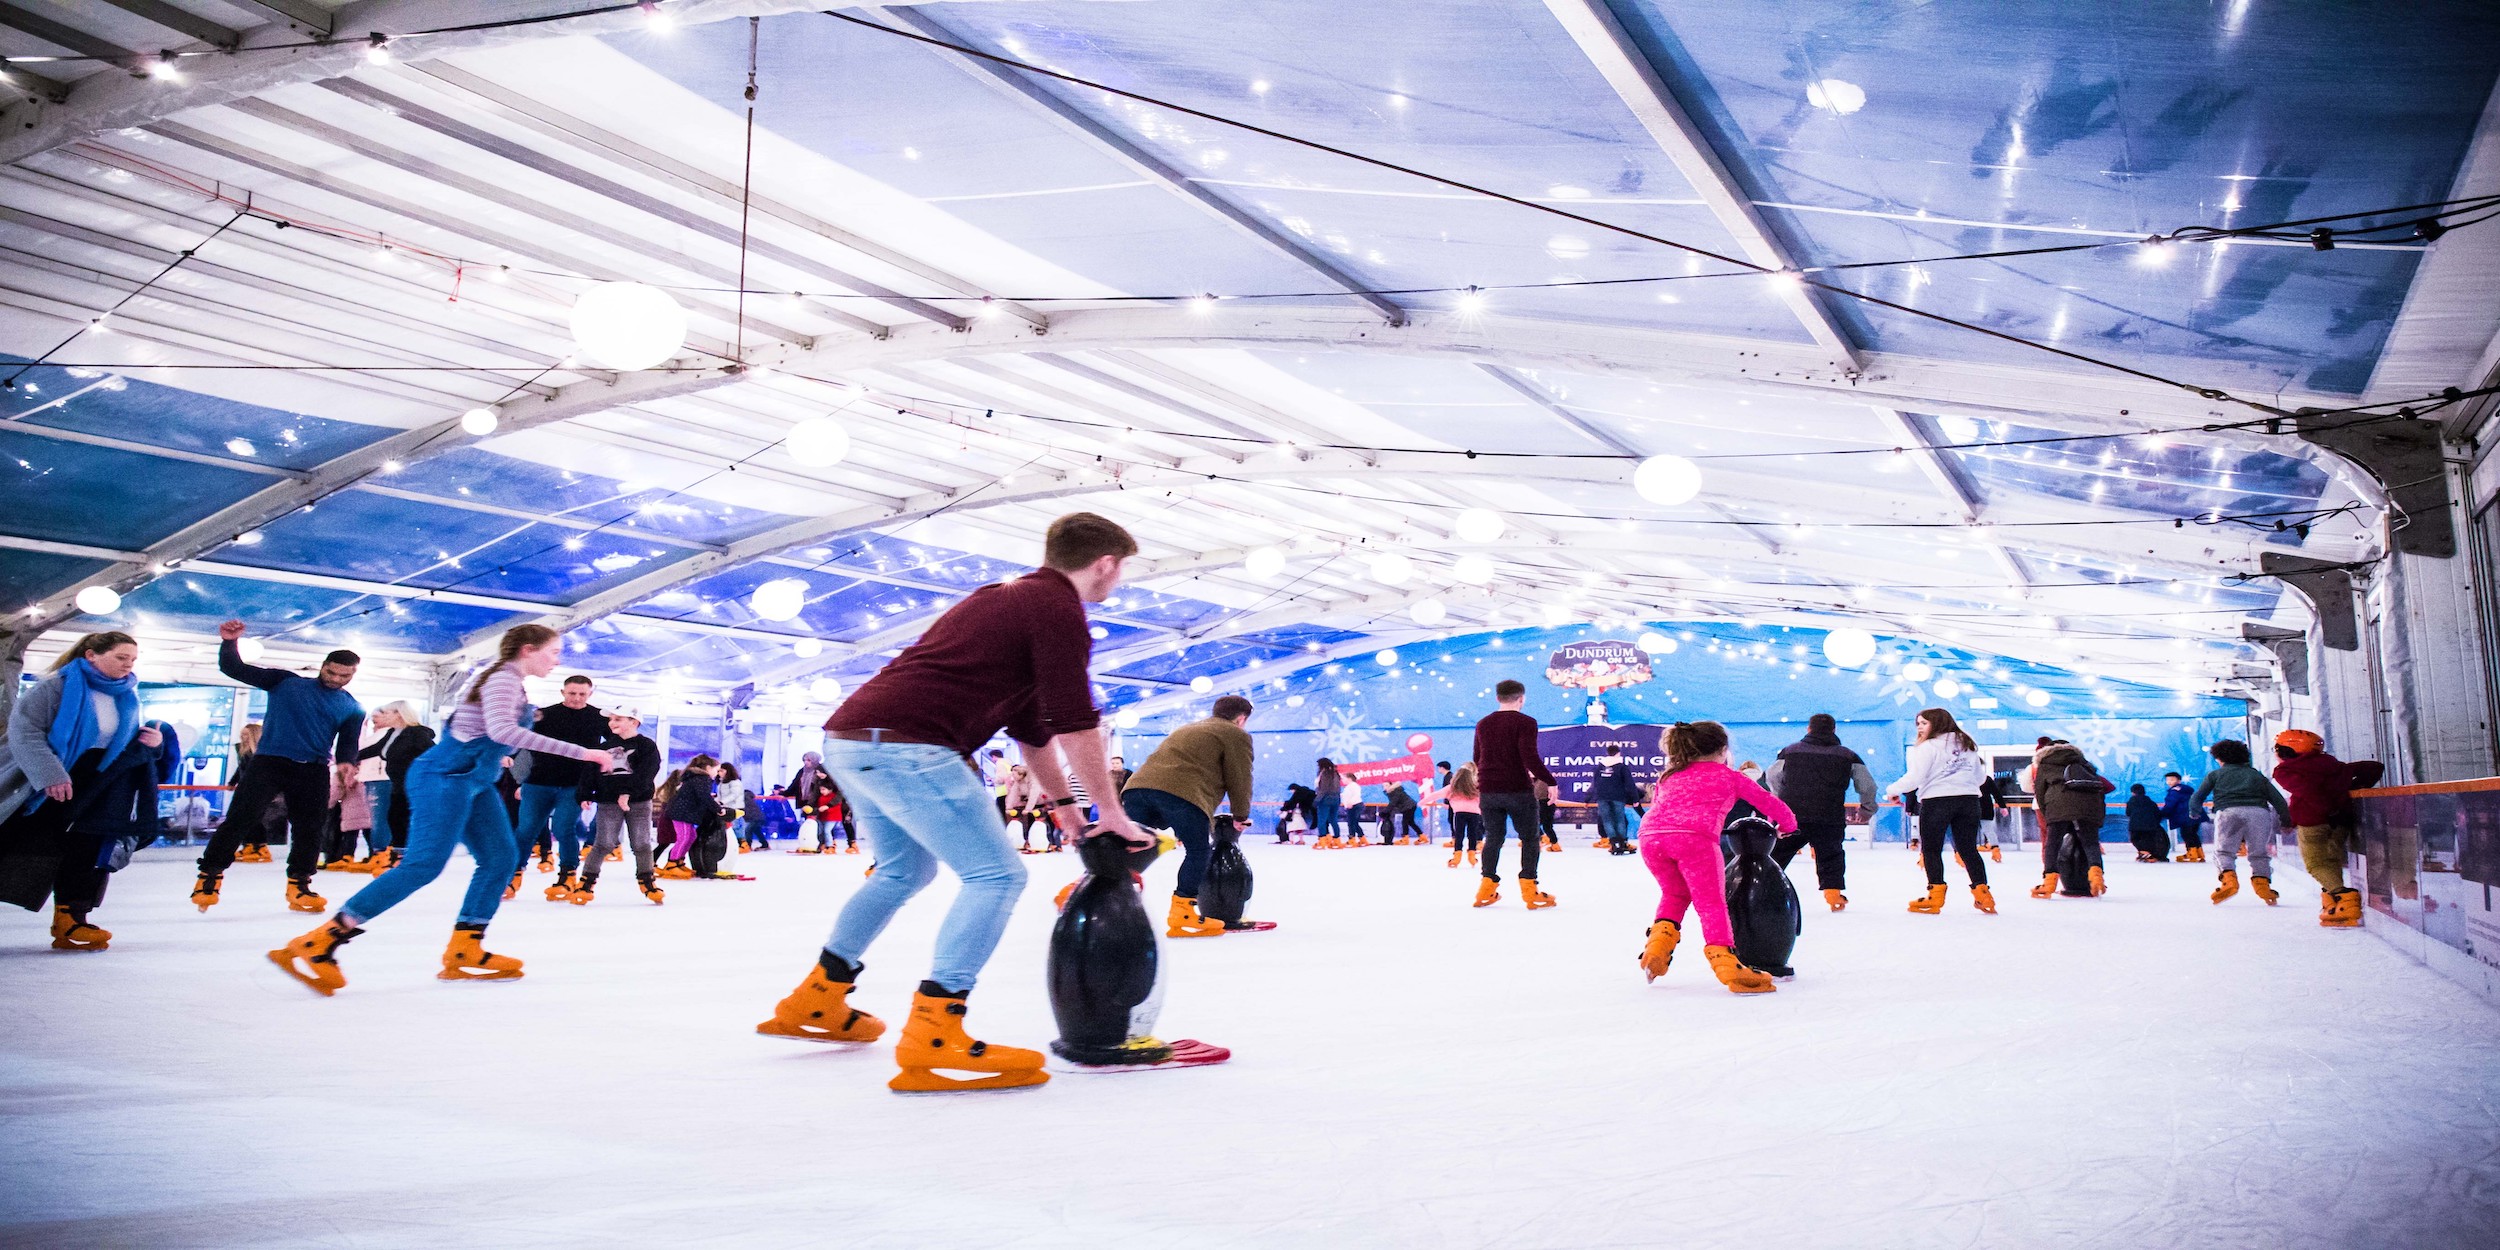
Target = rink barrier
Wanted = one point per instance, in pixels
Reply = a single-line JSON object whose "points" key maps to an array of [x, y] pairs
{"points": [[2429, 864]]}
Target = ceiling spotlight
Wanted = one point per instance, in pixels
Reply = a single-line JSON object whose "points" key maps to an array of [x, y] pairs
{"points": [[1471, 301], [99, 601]]}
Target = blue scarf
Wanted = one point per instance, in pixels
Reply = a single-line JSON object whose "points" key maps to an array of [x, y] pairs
{"points": [[75, 730]]}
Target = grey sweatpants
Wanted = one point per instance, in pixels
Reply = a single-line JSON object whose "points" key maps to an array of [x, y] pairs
{"points": [[2253, 827], [635, 823]]}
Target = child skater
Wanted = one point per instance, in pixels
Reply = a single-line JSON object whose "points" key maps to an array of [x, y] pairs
{"points": [[452, 798], [691, 805], [1680, 843], [623, 801], [1466, 813], [2146, 827]]}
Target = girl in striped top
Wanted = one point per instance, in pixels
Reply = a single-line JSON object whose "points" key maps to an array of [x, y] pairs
{"points": [[451, 797]]}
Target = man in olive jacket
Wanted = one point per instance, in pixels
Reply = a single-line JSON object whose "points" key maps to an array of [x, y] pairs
{"points": [[1202, 763]]}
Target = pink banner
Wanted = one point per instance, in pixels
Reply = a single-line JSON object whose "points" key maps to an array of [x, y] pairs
{"points": [[1415, 766]]}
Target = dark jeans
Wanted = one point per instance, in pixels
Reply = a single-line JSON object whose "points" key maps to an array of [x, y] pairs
{"points": [[2061, 832], [1956, 816], [1406, 823], [306, 788], [1157, 809], [1614, 819], [1505, 811], [1466, 830], [1831, 861], [2188, 836]]}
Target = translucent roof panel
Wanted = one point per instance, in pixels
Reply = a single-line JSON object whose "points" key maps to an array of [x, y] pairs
{"points": [[482, 476], [907, 118], [196, 602], [2136, 474], [379, 538], [95, 402], [26, 575], [2186, 113], [837, 605], [105, 496], [627, 645]]}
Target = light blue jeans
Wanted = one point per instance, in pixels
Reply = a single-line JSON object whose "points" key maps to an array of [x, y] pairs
{"points": [[451, 800], [920, 806]]}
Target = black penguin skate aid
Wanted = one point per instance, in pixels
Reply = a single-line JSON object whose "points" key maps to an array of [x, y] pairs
{"points": [[1106, 969], [1226, 890], [1761, 904]]}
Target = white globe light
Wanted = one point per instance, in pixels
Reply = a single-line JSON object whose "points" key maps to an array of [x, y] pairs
{"points": [[1667, 480], [1263, 562], [1656, 643], [251, 649], [1557, 615], [2037, 698], [1293, 700], [1472, 570], [1128, 719], [807, 648], [1948, 688], [1915, 671], [1392, 569], [818, 442], [99, 601], [1429, 612], [824, 689], [1848, 648], [479, 422], [1479, 525], [781, 599], [627, 325], [1202, 684], [1386, 659]]}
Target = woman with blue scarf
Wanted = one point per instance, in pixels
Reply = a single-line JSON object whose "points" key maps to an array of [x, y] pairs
{"points": [[76, 753]]}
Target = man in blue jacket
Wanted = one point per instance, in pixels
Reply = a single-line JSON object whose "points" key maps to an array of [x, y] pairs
{"points": [[308, 718], [2179, 807]]}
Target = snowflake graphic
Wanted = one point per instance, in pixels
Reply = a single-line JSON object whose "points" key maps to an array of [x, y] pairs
{"points": [[2109, 742], [1342, 739]]}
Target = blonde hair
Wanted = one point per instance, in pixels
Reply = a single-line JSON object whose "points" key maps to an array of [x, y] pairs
{"points": [[516, 640], [1463, 782], [400, 708]]}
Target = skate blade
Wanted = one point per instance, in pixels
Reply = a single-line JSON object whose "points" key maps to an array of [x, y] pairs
{"points": [[1249, 926], [479, 974], [1178, 1060], [802, 1033], [927, 1081], [286, 964]]}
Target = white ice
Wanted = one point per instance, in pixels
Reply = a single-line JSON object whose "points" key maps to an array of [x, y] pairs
{"points": [[2142, 1070]]}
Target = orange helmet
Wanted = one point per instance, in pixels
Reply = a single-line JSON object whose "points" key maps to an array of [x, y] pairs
{"points": [[2301, 741]]}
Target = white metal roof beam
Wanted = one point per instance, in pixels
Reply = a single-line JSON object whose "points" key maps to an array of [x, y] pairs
{"points": [[1544, 399], [1949, 482], [1645, 91], [1146, 164], [114, 101]]}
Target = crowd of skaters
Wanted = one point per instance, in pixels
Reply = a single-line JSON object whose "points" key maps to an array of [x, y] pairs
{"points": [[504, 778]]}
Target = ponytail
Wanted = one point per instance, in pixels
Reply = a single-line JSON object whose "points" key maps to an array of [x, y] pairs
{"points": [[517, 639], [1688, 741]]}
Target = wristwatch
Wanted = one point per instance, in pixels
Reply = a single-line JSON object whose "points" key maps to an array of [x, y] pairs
{"points": [[1066, 802]]}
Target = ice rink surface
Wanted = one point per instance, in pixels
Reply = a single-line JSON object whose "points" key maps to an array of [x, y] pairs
{"points": [[2141, 1070]]}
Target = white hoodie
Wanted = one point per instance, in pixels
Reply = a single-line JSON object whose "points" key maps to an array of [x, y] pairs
{"points": [[1941, 769]]}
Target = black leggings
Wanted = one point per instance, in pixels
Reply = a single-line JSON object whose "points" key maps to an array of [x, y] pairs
{"points": [[1466, 830], [1957, 815]]}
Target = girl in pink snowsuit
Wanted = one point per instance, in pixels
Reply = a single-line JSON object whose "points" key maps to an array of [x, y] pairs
{"points": [[1680, 836]]}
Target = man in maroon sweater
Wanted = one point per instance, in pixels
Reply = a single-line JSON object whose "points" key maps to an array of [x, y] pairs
{"points": [[1507, 770], [1011, 656]]}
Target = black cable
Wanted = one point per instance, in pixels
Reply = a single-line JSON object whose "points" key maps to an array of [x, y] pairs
{"points": [[10, 383]]}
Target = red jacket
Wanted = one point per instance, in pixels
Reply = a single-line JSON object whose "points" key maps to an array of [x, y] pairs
{"points": [[2319, 787]]}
